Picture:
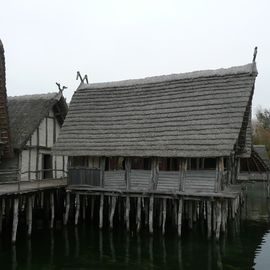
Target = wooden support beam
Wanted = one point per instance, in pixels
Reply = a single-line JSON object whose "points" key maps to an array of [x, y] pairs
{"points": [[101, 205], [138, 215], [179, 217], [67, 208], [151, 209], [190, 215], [154, 173], [15, 219], [218, 218], [127, 172], [102, 170], [219, 173], [78, 206], [29, 215], [164, 213], [209, 218], [112, 210], [52, 209], [127, 212], [92, 207], [182, 173]]}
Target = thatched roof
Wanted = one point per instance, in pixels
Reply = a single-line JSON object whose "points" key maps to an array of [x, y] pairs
{"points": [[27, 112], [260, 151], [197, 114], [4, 122]]}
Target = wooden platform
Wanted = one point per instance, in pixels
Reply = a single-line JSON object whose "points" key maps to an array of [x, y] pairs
{"points": [[13, 188], [255, 176]]}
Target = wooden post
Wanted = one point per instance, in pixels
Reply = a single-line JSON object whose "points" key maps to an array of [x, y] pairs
{"points": [[78, 206], [112, 210], [102, 169], [52, 209], [160, 213], [29, 215], [92, 207], [138, 216], [15, 219], [209, 218], [151, 208], [146, 210], [218, 218], [224, 216], [164, 212], [67, 208], [154, 173], [179, 216], [127, 212], [219, 173], [83, 207], [101, 205], [182, 173], [127, 172], [190, 216]]}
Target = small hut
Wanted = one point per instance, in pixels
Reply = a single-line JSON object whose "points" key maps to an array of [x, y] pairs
{"points": [[35, 122]]}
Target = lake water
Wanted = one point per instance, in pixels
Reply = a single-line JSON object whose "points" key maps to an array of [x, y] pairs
{"points": [[246, 245]]}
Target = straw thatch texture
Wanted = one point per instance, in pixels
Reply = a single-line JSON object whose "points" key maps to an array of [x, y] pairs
{"points": [[26, 113], [197, 114]]}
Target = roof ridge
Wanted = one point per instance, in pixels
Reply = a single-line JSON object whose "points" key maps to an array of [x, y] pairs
{"points": [[248, 68], [35, 96]]}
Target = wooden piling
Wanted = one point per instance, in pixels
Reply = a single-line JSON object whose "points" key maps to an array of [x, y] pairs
{"points": [[67, 208], [151, 208], [127, 212], [179, 216], [209, 218], [138, 215], [52, 209], [112, 210], [78, 206], [29, 215], [101, 205], [15, 219], [218, 218], [164, 213], [92, 207]]}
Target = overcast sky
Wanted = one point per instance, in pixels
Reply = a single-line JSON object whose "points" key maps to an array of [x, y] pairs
{"points": [[48, 41]]}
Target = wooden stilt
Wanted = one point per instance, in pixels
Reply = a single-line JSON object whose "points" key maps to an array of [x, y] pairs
{"points": [[67, 208], [224, 216], [127, 212], [29, 215], [160, 213], [214, 217], [52, 209], [83, 207], [164, 212], [151, 208], [112, 210], [218, 219], [179, 217], [92, 207], [138, 216], [15, 219], [78, 206], [209, 218], [194, 212], [101, 205], [146, 210], [190, 216]]}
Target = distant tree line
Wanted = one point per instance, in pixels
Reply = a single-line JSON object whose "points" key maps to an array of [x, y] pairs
{"points": [[261, 128]]}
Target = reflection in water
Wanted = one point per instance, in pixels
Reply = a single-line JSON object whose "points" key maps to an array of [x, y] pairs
{"points": [[86, 247]]}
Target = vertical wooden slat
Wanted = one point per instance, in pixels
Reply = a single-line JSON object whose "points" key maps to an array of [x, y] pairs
{"points": [[154, 173], [127, 172], [182, 173], [102, 169]]}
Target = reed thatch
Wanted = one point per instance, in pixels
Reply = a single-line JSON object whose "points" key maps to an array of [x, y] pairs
{"points": [[26, 113], [197, 114]]}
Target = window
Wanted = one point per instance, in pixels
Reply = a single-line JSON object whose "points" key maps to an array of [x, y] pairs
{"points": [[141, 163]]}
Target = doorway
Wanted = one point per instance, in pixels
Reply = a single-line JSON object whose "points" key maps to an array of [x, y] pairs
{"points": [[47, 169]]}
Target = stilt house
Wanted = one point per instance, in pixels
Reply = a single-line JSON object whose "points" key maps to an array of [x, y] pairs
{"points": [[167, 134], [35, 122]]}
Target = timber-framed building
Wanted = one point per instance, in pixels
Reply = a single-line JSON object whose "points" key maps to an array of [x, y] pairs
{"points": [[177, 135]]}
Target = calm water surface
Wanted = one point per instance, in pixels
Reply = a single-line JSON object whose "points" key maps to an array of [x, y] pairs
{"points": [[246, 245]]}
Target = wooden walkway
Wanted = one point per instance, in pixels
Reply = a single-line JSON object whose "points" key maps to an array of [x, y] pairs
{"points": [[14, 188]]}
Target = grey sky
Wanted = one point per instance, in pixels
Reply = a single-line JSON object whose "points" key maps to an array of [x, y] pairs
{"points": [[48, 41]]}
